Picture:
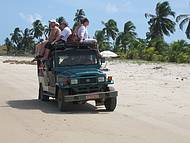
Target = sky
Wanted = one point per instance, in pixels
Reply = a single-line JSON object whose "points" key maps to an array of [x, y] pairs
{"points": [[21, 13]]}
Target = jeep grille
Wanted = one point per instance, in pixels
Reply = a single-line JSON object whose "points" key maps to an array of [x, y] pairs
{"points": [[87, 80]]}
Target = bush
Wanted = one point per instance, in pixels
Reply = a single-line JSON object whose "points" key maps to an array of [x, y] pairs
{"points": [[148, 53], [183, 58], [158, 58], [178, 52], [133, 54]]}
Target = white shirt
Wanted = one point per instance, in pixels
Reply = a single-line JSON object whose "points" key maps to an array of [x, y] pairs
{"points": [[82, 33], [65, 33]]}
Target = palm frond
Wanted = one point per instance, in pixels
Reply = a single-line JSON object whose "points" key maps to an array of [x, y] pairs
{"points": [[164, 10], [182, 16], [183, 22], [165, 30], [172, 13], [187, 32], [148, 15], [129, 26], [103, 22]]}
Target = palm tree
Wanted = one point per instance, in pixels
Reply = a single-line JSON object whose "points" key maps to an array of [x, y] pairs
{"points": [[46, 31], [60, 19], [160, 23], [101, 40], [27, 41], [126, 37], [129, 29], [38, 29], [79, 15], [16, 37], [111, 31], [9, 45], [184, 19]]}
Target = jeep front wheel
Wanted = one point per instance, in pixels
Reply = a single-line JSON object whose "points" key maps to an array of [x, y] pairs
{"points": [[110, 104], [60, 99]]}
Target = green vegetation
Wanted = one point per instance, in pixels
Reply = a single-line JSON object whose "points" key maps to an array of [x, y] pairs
{"points": [[126, 43], [154, 47], [3, 50], [161, 24]]}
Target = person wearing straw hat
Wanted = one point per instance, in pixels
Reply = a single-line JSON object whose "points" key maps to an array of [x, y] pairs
{"points": [[55, 32], [43, 48], [54, 36]]}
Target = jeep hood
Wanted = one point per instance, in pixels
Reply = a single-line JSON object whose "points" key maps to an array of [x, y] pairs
{"points": [[76, 72]]}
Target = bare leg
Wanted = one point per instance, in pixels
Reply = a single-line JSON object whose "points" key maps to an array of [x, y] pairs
{"points": [[46, 54], [39, 50], [42, 48]]}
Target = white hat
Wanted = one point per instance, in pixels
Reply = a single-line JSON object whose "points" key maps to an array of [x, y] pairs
{"points": [[57, 23], [52, 21]]}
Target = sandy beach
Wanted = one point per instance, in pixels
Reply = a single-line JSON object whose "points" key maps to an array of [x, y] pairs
{"points": [[153, 107]]}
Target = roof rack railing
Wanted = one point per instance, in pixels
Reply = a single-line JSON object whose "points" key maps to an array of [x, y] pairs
{"points": [[62, 46]]}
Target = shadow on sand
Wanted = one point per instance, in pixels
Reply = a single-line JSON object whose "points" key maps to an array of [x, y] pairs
{"points": [[51, 107]]}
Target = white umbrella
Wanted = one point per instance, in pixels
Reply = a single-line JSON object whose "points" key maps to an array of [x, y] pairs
{"points": [[108, 54]]}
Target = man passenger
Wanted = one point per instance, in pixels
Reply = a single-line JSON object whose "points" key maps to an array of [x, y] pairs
{"points": [[65, 33]]}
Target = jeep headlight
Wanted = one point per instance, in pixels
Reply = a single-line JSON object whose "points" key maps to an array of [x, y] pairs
{"points": [[101, 79], [74, 81], [62, 80]]}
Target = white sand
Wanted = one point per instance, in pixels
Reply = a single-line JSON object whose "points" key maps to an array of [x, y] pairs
{"points": [[153, 107]]}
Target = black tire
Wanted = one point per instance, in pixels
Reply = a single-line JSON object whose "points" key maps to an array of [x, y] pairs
{"points": [[110, 104], [60, 99], [81, 102], [41, 95], [40, 92]]}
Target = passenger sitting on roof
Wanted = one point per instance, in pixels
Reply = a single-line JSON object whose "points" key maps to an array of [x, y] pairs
{"points": [[54, 36], [39, 50], [82, 32], [65, 33], [77, 25], [42, 49]]}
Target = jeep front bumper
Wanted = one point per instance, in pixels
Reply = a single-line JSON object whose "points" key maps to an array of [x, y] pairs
{"points": [[90, 96]]}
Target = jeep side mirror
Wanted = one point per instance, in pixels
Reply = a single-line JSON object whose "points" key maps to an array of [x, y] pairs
{"points": [[103, 60]]}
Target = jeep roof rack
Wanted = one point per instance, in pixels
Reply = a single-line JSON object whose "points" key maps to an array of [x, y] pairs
{"points": [[76, 45]]}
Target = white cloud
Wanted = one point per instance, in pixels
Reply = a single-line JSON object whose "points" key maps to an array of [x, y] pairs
{"points": [[111, 8], [30, 18], [123, 6]]}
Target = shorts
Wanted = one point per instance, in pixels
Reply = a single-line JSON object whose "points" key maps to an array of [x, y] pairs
{"points": [[61, 41], [48, 46]]}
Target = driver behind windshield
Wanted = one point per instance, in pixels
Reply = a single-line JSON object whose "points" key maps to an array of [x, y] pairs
{"points": [[69, 60], [85, 59]]}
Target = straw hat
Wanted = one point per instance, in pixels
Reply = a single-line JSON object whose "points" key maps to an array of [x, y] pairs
{"points": [[54, 21]]}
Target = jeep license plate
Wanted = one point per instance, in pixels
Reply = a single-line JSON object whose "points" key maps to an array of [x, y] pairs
{"points": [[93, 96]]}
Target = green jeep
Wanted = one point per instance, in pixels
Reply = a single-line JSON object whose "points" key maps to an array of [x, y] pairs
{"points": [[73, 74]]}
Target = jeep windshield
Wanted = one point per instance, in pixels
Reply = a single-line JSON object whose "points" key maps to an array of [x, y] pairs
{"points": [[76, 57]]}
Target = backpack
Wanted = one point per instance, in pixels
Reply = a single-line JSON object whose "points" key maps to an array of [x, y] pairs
{"points": [[73, 38]]}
